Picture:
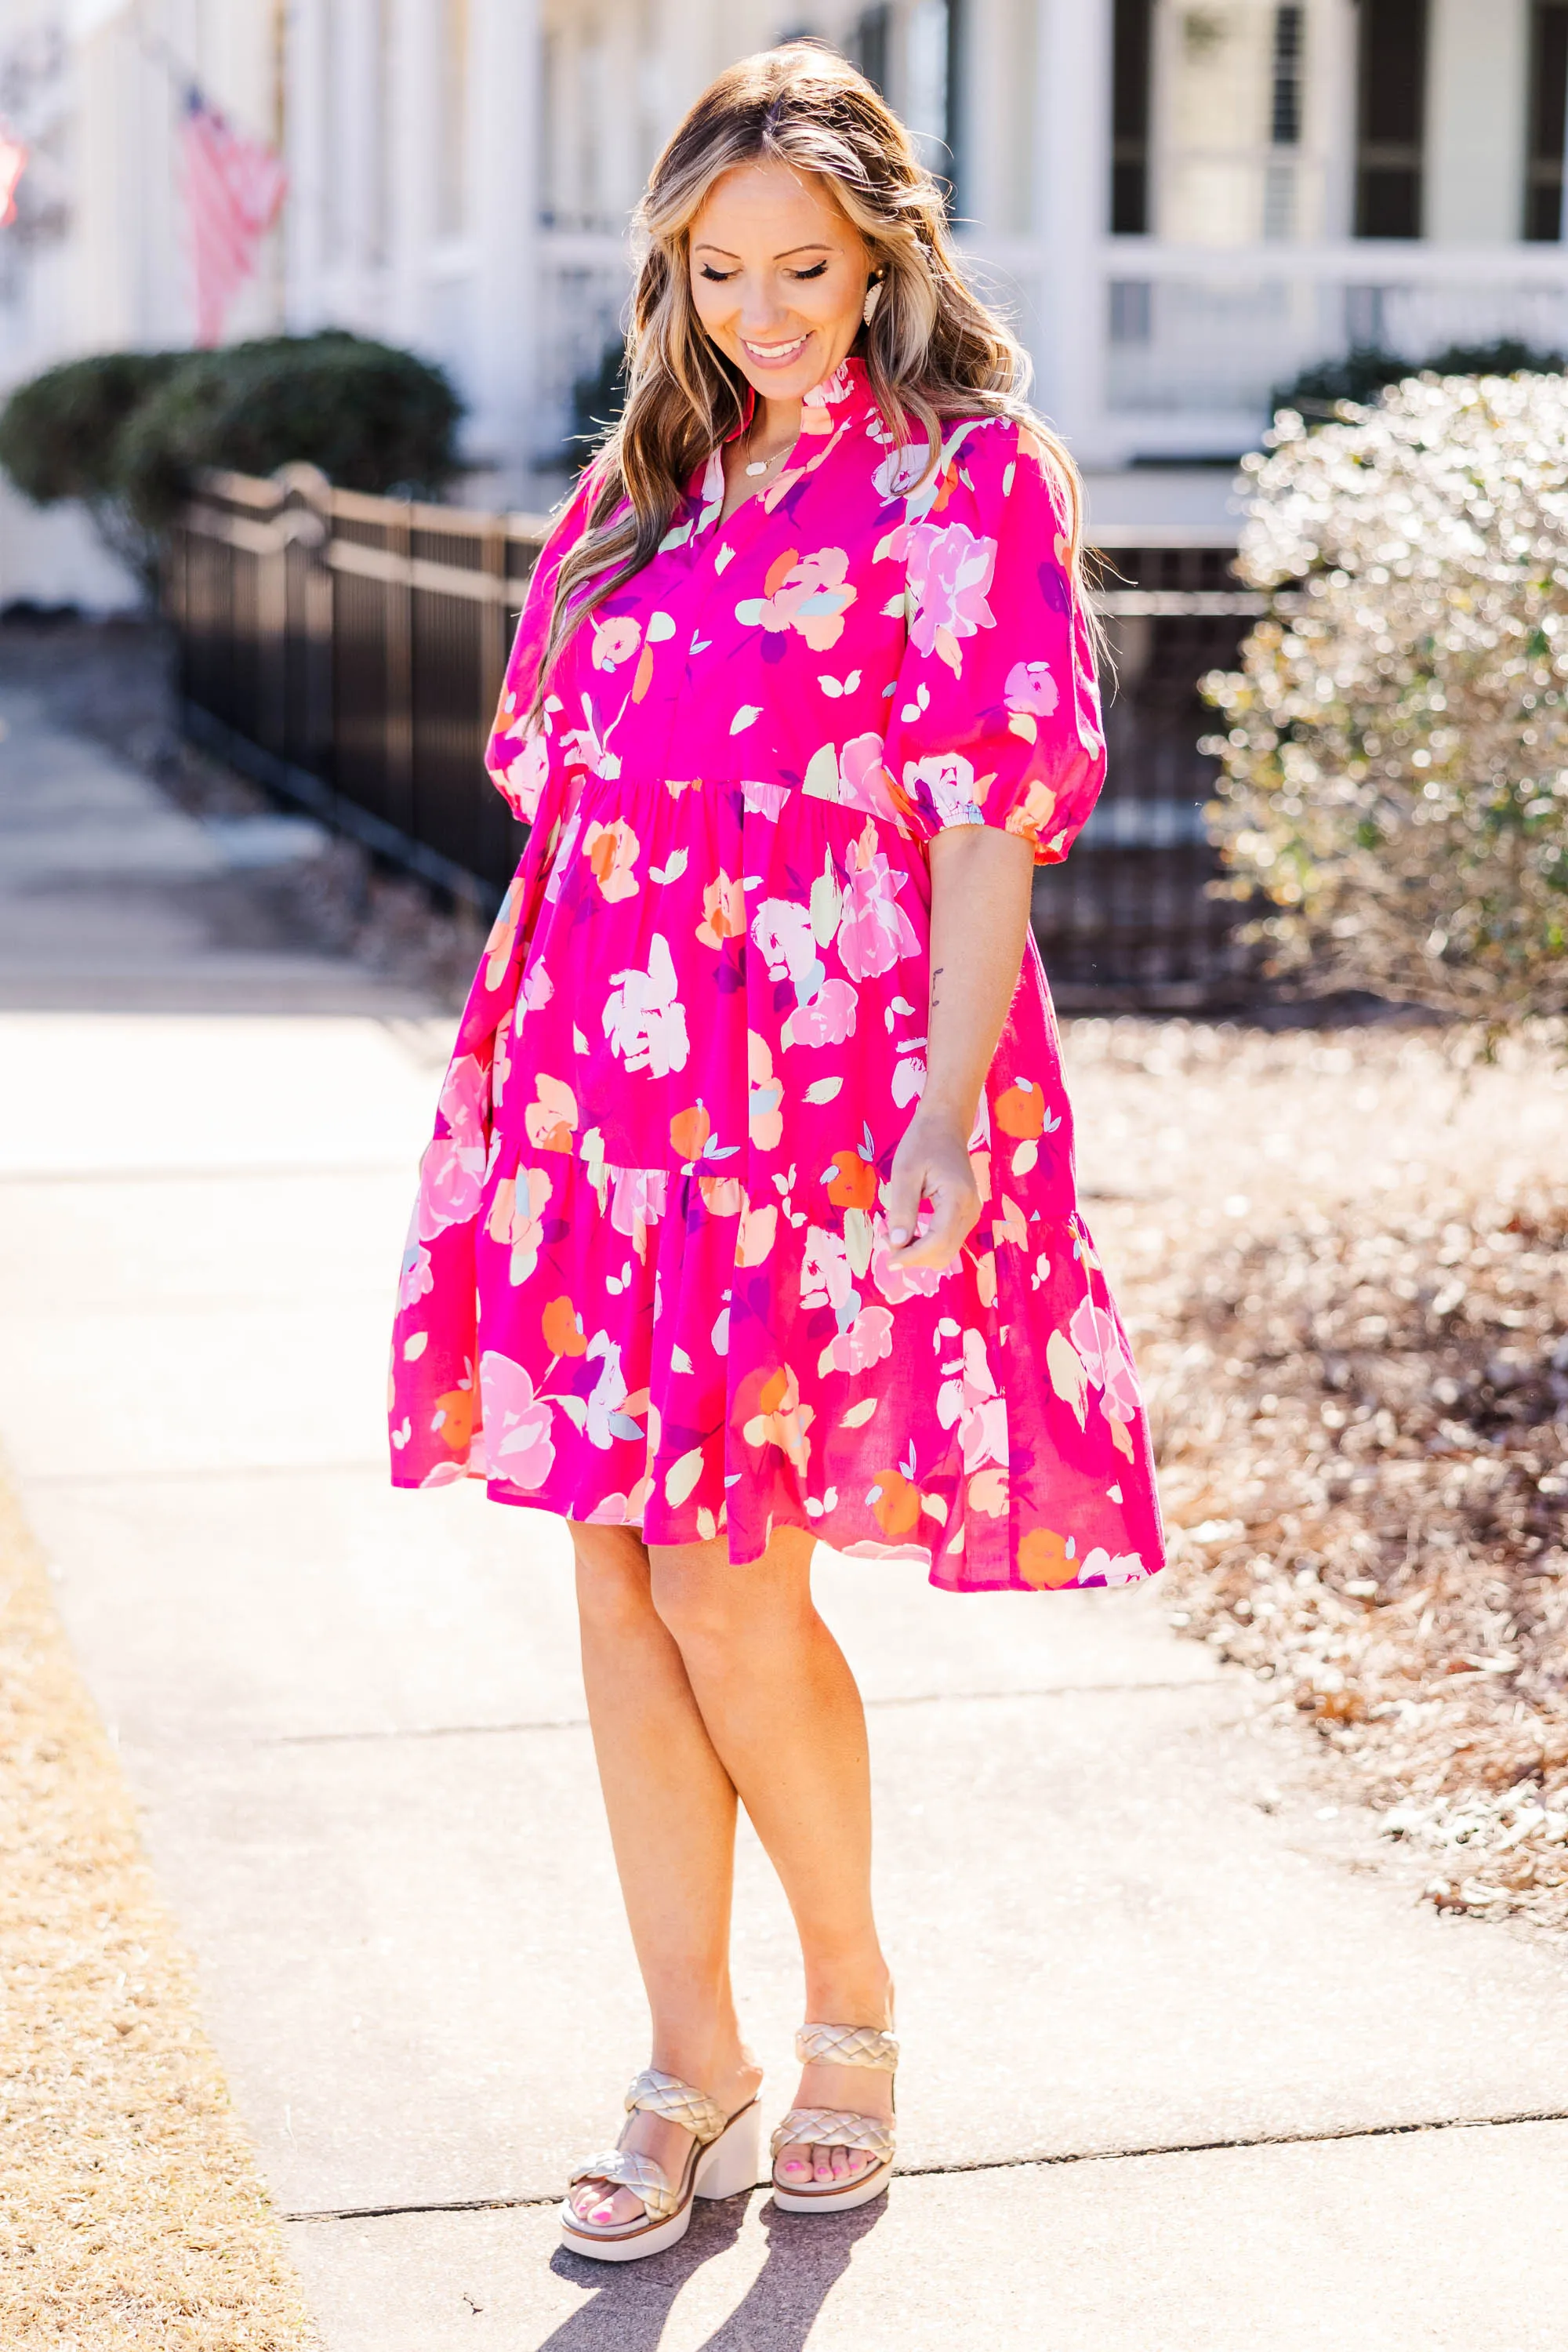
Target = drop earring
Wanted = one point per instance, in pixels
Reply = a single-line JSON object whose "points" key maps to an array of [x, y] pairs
{"points": [[873, 296]]}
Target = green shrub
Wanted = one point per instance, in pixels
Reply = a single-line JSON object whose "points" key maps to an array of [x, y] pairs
{"points": [[1315, 394], [598, 400], [371, 418], [60, 438], [124, 432], [1395, 753]]}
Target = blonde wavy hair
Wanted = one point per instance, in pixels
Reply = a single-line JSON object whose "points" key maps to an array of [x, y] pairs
{"points": [[933, 352]]}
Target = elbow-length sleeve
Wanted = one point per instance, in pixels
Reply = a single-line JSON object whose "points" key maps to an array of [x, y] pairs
{"points": [[519, 750], [995, 716]]}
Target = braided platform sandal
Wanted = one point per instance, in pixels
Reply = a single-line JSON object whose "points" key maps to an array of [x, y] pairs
{"points": [[839, 2045], [722, 2163]]}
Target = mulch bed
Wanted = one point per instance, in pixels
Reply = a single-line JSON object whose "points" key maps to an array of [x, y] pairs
{"points": [[1359, 1383]]}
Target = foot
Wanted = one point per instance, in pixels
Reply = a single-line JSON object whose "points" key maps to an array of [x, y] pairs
{"points": [[602, 2205], [856, 2090]]}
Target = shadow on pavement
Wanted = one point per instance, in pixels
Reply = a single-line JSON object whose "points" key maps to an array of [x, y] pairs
{"points": [[806, 2258]]}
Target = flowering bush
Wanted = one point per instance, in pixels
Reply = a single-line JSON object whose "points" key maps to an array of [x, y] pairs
{"points": [[1395, 766]]}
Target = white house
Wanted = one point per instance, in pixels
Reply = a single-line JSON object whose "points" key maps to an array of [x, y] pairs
{"points": [[1182, 202], [96, 259]]}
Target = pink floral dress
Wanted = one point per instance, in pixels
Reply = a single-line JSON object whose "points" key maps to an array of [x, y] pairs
{"points": [[648, 1280]]}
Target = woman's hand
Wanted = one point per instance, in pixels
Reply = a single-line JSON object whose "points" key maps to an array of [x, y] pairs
{"points": [[930, 1164], [980, 881]]}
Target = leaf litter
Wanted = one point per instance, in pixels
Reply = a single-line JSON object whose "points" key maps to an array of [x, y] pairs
{"points": [[1343, 1260]]}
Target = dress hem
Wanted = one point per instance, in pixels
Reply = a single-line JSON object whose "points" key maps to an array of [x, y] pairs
{"points": [[858, 1548]]}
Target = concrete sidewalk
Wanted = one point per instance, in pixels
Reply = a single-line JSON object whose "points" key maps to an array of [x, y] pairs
{"points": [[1184, 2063]]}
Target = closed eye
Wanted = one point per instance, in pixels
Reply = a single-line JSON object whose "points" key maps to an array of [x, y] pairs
{"points": [[723, 276]]}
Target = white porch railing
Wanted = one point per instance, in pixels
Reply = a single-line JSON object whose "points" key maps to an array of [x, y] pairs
{"points": [[1193, 340], [584, 282], [1194, 329]]}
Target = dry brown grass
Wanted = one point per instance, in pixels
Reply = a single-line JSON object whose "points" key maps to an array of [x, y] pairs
{"points": [[131, 2213], [1351, 1305]]}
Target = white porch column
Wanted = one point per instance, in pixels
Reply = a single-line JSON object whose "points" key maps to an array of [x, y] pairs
{"points": [[1072, 167], [304, 143], [505, 199]]}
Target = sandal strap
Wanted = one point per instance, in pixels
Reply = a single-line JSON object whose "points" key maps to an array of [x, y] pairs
{"points": [[622, 2168], [680, 2102], [834, 2127], [848, 2045]]}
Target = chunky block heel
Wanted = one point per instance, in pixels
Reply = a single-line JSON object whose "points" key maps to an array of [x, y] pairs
{"points": [[735, 2161]]}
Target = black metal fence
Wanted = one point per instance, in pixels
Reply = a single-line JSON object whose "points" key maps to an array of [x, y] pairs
{"points": [[348, 652], [1129, 915]]}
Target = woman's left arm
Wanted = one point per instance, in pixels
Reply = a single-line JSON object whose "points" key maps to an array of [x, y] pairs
{"points": [[980, 887], [997, 747]]}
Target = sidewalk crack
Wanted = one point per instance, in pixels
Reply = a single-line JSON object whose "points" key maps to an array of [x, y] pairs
{"points": [[580, 1722], [1010, 2163]]}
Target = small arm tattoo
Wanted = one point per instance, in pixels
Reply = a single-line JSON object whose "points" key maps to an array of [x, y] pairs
{"points": [[936, 975]]}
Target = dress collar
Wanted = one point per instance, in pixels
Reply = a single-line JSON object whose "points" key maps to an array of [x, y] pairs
{"points": [[748, 410], [826, 408], [848, 380]]}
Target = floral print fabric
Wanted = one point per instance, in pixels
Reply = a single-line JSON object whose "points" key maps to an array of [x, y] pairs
{"points": [[648, 1278]]}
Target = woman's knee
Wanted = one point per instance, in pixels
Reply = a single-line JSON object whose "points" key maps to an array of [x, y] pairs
{"points": [[717, 1611], [613, 1591]]}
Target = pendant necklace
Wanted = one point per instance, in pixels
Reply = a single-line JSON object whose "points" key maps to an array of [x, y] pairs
{"points": [[765, 465]]}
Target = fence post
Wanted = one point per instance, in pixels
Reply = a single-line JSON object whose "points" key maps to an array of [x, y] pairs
{"points": [[273, 633], [497, 837], [308, 512], [398, 609], [493, 646]]}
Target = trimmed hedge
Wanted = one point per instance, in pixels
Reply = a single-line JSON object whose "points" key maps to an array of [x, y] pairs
{"points": [[1360, 375], [371, 418], [124, 431], [59, 434]]}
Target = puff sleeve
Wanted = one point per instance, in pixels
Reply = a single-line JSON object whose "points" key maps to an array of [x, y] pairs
{"points": [[518, 754], [995, 715]]}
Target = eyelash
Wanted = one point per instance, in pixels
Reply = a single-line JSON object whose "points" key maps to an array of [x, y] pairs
{"points": [[723, 276]]}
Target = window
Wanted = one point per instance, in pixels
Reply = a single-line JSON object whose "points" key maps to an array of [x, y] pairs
{"points": [[927, 107], [956, 98], [1391, 117], [1285, 120], [1132, 311], [1285, 109], [869, 43], [1548, 122], [1130, 118]]}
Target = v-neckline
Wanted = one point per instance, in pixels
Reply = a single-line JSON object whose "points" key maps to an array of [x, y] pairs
{"points": [[725, 521], [711, 518]]}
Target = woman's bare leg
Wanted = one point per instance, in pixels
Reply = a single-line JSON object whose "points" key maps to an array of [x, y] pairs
{"points": [[671, 1807], [781, 1710]]}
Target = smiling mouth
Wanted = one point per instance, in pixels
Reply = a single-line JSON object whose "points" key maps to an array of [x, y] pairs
{"points": [[773, 352]]}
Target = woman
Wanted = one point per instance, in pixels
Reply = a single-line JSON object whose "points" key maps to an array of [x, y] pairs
{"points": [[749, 1221]]}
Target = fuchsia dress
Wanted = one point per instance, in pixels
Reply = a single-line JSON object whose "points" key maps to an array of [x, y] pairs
{"points": [[648, 1280]]}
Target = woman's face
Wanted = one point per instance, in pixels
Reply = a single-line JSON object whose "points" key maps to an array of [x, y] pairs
{"points": [[778, 277]]}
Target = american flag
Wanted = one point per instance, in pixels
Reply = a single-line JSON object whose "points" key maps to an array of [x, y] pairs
{"points": [[13, 163], [234, 186]]}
